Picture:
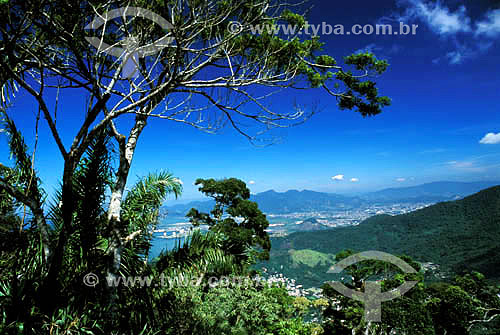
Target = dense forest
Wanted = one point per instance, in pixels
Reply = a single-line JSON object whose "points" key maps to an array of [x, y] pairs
{"points": [[458, 236]]}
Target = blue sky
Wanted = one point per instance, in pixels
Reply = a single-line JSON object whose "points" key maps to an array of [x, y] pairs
{"points": [[444, 83]]}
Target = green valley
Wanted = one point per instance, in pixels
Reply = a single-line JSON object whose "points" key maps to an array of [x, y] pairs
{"points": [[458, 236]]}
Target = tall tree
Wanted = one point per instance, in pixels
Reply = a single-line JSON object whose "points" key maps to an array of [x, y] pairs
{"points": [[195, 72], [23, 264], [238, 218]]}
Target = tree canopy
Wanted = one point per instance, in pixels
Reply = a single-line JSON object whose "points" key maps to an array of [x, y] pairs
{"points": [[236, 217], [206, 77]]}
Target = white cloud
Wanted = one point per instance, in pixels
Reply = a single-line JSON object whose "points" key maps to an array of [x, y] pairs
{"points": [[465, 52], [251, 182], [457, 57], [354, 180], [438, 18], [448, 22], [490, 26], [385, 53], [400, 180], [475, 164], [338, 177], [461, 164], [471, 166], [372, 48], [490, 138]]}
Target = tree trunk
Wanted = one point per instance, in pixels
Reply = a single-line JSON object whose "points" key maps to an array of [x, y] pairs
{"points": [[51, 285], [127, 149], [44, 232]]}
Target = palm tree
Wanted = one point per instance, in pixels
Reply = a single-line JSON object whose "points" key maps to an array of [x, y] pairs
{"points": [[141, 212], [26, 261]]}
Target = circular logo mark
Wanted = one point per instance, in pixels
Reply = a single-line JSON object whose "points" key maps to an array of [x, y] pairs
{"points": [[131, 49], [373, 295], [90, 280]]}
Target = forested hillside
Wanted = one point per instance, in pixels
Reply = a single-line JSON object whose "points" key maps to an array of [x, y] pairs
{"points": [[458, 235]]}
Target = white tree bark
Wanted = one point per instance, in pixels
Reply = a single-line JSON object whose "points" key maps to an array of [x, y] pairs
{"points": [[127, 149]]}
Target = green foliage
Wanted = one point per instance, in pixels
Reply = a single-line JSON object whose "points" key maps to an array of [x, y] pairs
{"points": [[439, 308], [236, 217], [91, 179], [8, 218], [310, 258], [293, 19], [176, 309], [298, 62], [373, 104], [235, 310], [79, 309], [22, 175], [79, 231], [201, 253], [459, 236], [84, 251], [141, 208]]}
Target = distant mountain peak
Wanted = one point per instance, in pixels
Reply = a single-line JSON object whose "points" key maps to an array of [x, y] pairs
{"points": [[294, 201], [268, 192]]}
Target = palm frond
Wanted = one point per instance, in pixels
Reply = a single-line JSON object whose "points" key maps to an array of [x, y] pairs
{"points": [[24, 184], [141, 208], [90, 181], [25, 173], [8, 90], [201, 253], [8, 218], [149, 193], [92, 177]]}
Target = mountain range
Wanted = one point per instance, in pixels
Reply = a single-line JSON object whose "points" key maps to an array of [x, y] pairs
{"points": [[310, 224], [310, 201], [461, 235], [430, 192]]}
